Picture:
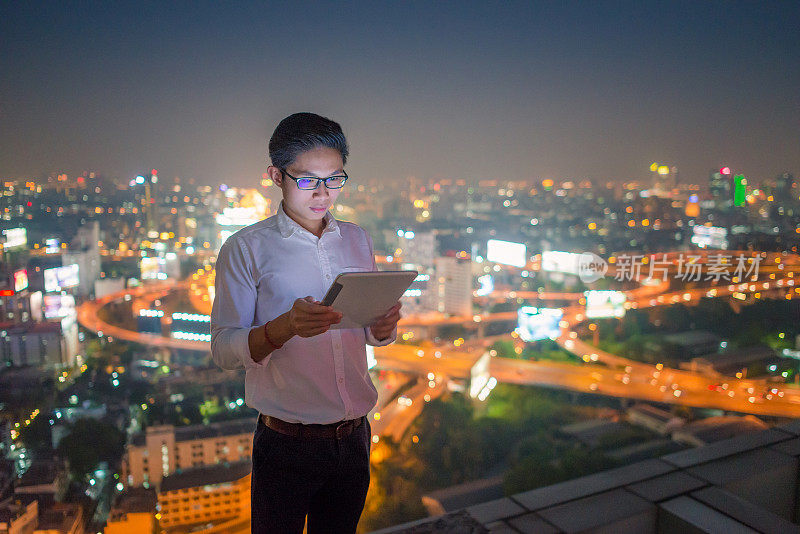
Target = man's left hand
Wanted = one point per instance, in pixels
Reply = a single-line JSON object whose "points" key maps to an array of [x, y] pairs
{"points": [[383, 327]]}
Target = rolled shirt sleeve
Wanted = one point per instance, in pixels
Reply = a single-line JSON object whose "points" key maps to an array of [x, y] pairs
{"points": [[233, 312], [376, 343]]}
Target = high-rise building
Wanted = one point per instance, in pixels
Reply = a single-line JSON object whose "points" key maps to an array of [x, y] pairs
{"points": [[84, 251], [720, 186], [164, 449], [218, 495], [150, 208], [133, 512], [786, 190], [34, 344], [665, 178], [417, 248], [454, 285]]}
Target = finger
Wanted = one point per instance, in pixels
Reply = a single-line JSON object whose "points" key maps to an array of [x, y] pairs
{"points": [[382, 320], [394, 309], [383, 332], [330, 317], [389, 319], [314, 331], [315, 327], [385, 325], [302, 304], [307, 303], [313, 307], [316, 324]]}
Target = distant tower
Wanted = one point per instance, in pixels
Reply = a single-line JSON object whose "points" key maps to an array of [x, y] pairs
{"points": [[673, 175], [454, 281], [150, 206], [785, 189], [719, 184], [664, 177]]}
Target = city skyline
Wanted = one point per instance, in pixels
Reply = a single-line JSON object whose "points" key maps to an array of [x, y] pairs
{"points": [[514, 92], [593, 326]]}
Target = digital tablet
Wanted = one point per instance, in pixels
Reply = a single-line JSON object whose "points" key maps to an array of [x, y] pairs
{"points": [[363, 298]]}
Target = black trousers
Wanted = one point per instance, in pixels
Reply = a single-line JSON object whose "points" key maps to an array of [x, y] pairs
{"points": [[325, 479]]}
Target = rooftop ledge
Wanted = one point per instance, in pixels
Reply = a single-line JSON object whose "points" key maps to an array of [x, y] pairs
{"points": [[744, 484]]}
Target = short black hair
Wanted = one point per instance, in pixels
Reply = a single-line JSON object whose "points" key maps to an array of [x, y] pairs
{"points": [[301, 132]]}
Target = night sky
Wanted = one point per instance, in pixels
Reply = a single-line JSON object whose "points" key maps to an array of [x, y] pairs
{"points": [[470, 90]]}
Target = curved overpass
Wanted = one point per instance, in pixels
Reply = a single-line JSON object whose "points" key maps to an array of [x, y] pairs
{"points": [[618, 376]]}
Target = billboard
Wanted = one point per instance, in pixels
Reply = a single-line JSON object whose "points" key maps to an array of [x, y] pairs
{"points": [[561, 262], [59, 278], [160, 268], [605, 303], [107, 286], [52, 246], [151, 269], [587, 265], [535, 324], [710, 236], [59, 306], [506, 252], [241, 216], [20, 280], [15, 237]]}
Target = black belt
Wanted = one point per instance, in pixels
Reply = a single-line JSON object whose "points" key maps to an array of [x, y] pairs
{"points": [[339, 430]]}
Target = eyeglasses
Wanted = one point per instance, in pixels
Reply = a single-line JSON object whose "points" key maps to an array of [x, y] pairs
{"points": [[309, 183]]}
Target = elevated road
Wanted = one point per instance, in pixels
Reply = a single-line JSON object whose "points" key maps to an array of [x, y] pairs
{"points": [[603, 373]]}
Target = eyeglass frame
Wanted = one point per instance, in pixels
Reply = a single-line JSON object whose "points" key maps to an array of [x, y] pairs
{"points": [[319, 180]]}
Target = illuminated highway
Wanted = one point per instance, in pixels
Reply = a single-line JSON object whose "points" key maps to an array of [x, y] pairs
{"points": [[602, 372]]}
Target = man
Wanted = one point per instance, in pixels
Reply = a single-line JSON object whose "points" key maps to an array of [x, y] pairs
{"points": [[309, 383]]}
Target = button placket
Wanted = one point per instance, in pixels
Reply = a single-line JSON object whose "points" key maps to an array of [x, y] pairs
{"points": [[336, 335], [324, 264]]}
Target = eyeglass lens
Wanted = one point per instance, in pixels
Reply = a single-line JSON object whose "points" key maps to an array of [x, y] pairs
{"points": [[334, 182]]}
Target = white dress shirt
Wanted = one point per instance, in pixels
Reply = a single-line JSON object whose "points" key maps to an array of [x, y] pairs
{"points": [[261, 270]]}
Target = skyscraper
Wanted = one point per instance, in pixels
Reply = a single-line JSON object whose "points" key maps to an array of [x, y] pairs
{"points": [[454, 277], [719, 184], [665, 178], [786, 190]]}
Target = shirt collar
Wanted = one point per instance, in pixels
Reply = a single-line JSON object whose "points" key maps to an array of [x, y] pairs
{"points": [[288, 226]]}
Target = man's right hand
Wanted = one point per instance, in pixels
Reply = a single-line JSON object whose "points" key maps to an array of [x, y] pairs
{"points": [[309, 317]]}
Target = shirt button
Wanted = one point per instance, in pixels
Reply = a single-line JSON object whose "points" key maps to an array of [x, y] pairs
{"points": [[341, 380]]}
